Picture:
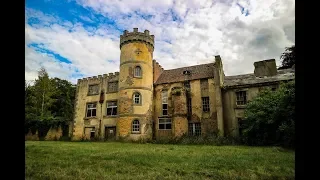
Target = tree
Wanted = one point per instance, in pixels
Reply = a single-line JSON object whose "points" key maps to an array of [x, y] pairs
{"points": [[270, 117], [288, 57], [48, 103]]}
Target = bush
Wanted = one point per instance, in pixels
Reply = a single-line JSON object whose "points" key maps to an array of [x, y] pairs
{"points": [[270, 117]]}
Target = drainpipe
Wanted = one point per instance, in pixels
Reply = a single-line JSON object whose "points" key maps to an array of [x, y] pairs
{"points": [[101, 102]]}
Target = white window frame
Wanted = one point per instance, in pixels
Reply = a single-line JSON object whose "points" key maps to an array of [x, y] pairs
{"points": [[112, 108], [94, 107], [136, 126], [136, 96]]}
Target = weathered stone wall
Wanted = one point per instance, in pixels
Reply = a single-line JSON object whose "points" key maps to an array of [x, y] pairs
{"points": [[53, 134], [232, 111], [265, 68], [157, 70], [82, 98], [177, 106], [136, 50]]}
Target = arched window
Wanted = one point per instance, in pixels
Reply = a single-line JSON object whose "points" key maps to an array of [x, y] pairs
{"points": [[136, 98], [137, 71], [135, 126]]}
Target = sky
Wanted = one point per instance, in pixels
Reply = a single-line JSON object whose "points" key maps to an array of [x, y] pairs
{"points": [[73, 39]]}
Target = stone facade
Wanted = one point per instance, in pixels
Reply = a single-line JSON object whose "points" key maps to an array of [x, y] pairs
{"points": [[144, 101]]}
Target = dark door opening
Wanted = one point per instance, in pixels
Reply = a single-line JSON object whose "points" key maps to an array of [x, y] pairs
{"points": [[110, 133]]}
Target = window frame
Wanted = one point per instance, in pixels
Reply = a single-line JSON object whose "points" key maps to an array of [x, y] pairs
{"points": [[134, 126], [164, 100], [134, 71], [196, 129], [112, 108], [87, 109], [205, 107], [167, 121], [244, 99], [134, 98]]}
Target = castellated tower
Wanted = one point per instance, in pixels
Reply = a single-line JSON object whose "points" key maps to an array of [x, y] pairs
{"points": [[136, 85]]}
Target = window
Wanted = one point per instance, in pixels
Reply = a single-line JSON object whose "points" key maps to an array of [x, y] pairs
{"points": [[91, 109], [135, 126], [93, 89], [194, 129], [112, 87], [205, 104], [136, 98], [164, 95], [241, 97], [92, 133], [137, 71], [164, 123], [112, 108], [189, 106]]}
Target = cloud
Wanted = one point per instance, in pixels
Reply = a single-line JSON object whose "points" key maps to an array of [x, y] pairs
{"points": [[186, 33]]}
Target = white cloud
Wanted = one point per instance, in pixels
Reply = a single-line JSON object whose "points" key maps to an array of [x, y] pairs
{"points": [[203, 29]]}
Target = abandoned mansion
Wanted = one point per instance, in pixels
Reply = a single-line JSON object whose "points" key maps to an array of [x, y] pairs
{"points": [[143, 100]]}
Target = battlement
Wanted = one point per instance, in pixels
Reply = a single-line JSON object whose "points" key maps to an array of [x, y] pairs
{"points": [[136, 36], [99, 77]]}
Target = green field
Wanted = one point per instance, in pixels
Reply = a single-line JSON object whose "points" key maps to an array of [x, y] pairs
{"points": [[113, 160]]}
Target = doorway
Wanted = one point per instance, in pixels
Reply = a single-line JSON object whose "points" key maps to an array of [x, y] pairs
{"points": [[110, 133]]}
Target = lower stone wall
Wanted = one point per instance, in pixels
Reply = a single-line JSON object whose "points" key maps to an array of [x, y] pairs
{"points": [[52, 134]]}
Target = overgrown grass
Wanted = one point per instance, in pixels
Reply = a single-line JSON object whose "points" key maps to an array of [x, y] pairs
{"points": [[114, 160]]}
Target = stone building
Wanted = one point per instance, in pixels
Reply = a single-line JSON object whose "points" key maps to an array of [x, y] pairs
{"points": [[145, 101]]}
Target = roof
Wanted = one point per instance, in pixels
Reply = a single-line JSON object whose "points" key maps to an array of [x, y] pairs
{"points": [[196, 72], [250, 79]]}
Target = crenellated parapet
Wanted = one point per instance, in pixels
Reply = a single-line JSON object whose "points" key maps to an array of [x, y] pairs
{"points": [[98, 78], [136, 36]]}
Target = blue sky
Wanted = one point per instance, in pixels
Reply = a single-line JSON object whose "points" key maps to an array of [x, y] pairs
{"points": [[79, 38]]}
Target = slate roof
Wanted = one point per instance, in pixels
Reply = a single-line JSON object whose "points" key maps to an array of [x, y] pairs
{"points": [[251, 79], [176, 75]]}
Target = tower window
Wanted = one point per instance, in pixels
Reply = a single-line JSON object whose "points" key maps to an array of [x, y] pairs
{"points": [[137, 98], [137, 71], [135, 126]]}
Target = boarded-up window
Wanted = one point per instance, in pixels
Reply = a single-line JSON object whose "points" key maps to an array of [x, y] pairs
{"points": [[112, 86], [204, 84], [93, 89]]}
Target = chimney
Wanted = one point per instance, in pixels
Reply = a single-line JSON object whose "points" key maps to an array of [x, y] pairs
{"points": [[265, 68]]}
